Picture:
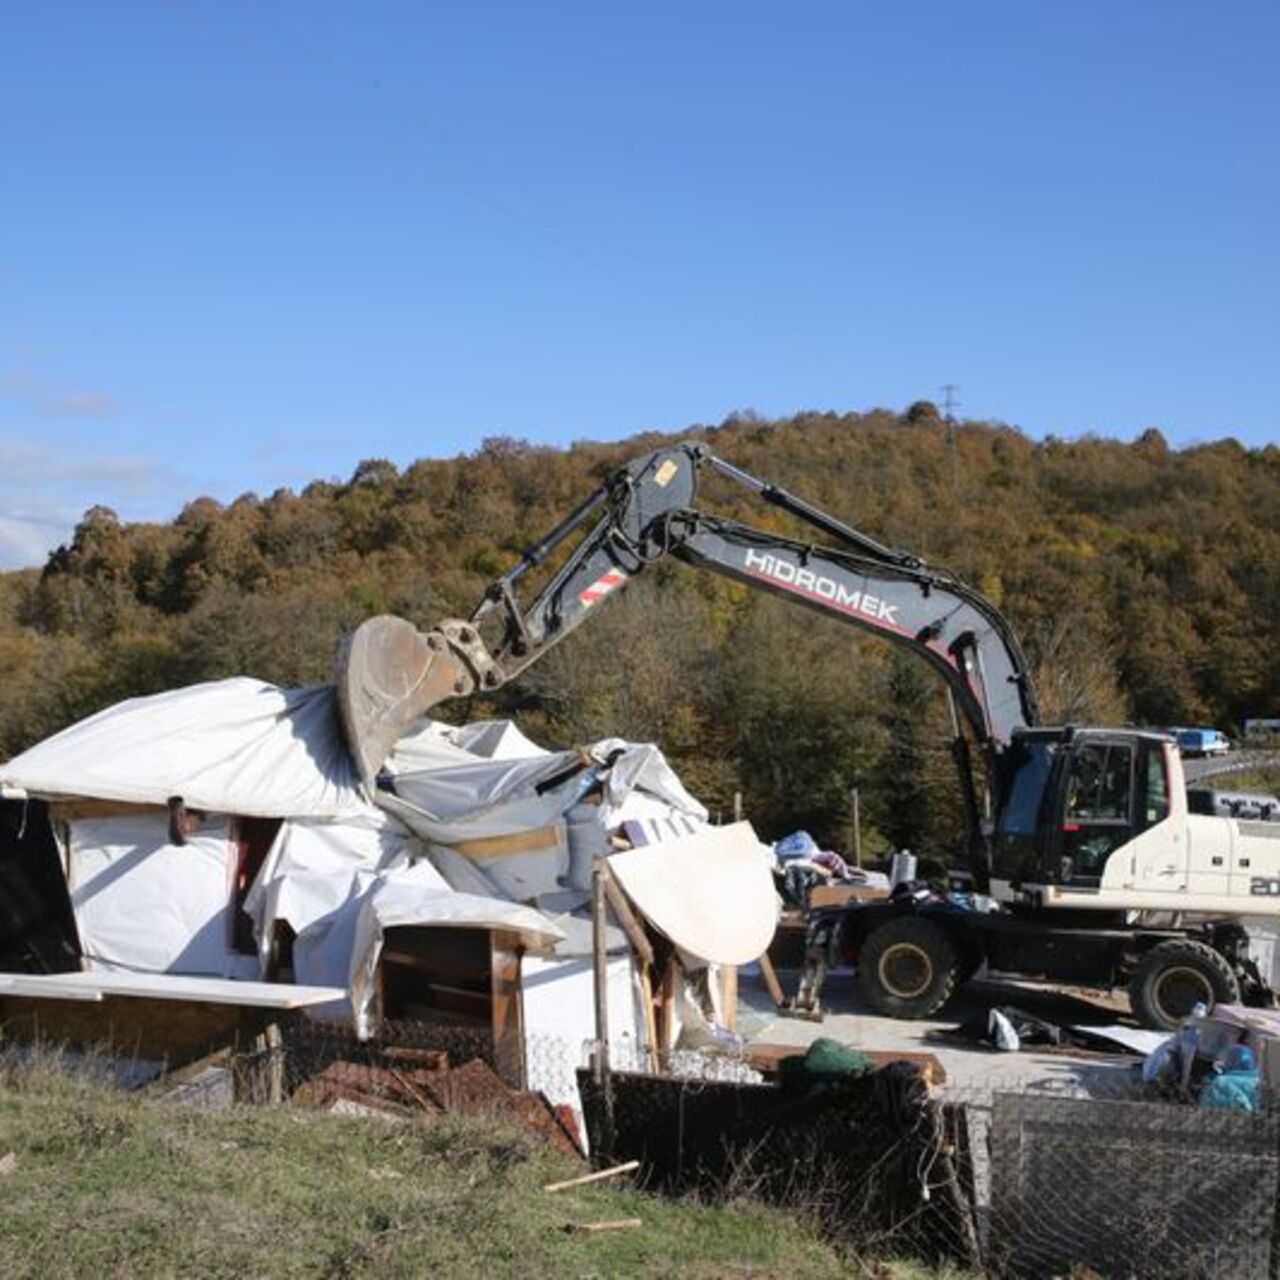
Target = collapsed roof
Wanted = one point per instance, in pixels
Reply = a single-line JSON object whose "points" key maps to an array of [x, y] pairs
{"points": [[472, 825]]}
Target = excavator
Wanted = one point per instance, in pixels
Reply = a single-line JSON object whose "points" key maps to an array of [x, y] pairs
{"points": [[1080, 838]]}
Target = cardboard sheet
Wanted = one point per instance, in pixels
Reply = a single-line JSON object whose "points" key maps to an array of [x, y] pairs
{"points": [[712, 894]]}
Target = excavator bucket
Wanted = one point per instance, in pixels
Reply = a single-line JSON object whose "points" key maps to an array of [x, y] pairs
{"points": [[389, 674]]}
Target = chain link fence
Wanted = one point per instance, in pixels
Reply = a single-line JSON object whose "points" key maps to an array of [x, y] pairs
{"points": [[1088, 1173]]}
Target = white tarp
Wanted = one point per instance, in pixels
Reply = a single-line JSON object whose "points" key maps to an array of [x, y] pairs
{"points": [[448, 803], [712, 894], [231, 746], [415, 897], [342, 870], [315, 879], [435, 744], [141, 903]]}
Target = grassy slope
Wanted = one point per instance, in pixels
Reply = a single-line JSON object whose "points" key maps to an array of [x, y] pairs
{"points": [[112, 1185]]}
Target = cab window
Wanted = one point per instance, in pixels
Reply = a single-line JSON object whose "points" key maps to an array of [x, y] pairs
{"points": [[1100, 784], [1157, 802]]}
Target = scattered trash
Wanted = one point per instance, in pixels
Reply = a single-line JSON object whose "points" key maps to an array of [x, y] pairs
{"points": [[432, 1087], [825, 1063], [1237, 1086], [1001, 1032], [799, 844]]}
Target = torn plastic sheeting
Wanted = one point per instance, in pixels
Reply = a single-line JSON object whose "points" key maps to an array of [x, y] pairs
{"points": [[712, 894], [643, 767], [460, 873], [141, 903], [435, 744], [414, 897], [487, 798], [316, 879], [310, 866], [482, 799], [230, 746]]}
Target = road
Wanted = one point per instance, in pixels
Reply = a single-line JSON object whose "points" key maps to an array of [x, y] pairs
{"points": [[1236, 762]]}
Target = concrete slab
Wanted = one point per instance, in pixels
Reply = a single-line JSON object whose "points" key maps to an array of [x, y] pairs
{"points": [[971, 1071]]}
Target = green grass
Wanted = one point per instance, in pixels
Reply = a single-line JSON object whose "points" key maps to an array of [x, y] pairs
{"points": [[114, 1185]]}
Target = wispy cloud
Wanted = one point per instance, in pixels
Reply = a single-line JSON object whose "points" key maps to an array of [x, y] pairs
{"points": [[80, 404], [44, 490], [26, 540]]}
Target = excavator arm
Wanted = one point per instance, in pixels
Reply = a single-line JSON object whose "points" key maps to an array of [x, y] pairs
{"points": [[390, 674]]}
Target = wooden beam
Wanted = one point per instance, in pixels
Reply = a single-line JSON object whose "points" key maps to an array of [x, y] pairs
{"points": [[729, 995], [626, 917], [770, 976], [599, 1176]]}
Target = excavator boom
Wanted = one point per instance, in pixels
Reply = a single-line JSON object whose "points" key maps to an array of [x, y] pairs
{"points": [[390, 674]]}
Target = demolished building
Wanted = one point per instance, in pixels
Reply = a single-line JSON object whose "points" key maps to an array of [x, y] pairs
{"points": [[216, 842]]}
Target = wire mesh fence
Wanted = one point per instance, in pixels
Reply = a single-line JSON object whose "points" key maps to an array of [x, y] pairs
{"points": [[1087, 1172]]}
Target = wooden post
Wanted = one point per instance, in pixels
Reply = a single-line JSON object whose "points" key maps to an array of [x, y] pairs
{"points": [[600, 958], [737, 806], [729, 995], [275, 1063], [857, 826], [626, 917], [771, 982], [644, 954]]}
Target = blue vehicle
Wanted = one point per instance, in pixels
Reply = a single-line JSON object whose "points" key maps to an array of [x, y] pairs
{"points": [[1202, 742]]}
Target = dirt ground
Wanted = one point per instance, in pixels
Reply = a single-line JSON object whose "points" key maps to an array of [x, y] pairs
{"points": [[968, 1067]]}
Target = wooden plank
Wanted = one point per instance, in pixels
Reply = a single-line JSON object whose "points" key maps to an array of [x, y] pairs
{"points": [[85, 810], [626, 917], [171, 1029], [650, 1020], [488, 847], [765, 1058], [729, 995], [479, 975], [507, 1012], [599, 1176], [167, 986], [770, 976], [843, 895], [614, 1224], [667, 1007]]}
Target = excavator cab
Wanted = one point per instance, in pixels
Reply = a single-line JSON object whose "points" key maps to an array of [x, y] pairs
{"points": [[1069, 798]]}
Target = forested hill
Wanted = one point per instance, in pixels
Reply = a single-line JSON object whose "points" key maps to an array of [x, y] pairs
{"points": [[1144, 582]]}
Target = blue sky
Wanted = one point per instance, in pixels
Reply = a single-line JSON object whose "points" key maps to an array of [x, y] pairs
{"points": [[244, 245]]}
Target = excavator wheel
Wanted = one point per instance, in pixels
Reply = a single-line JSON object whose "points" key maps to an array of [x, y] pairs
{"points": [[908, 967], [1175, 976]]}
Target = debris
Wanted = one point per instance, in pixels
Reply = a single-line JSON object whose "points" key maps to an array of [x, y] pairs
{"points": [[432, 1089], [599, 1176], [214, 1089], [590, 1228], [8, 1163], [1238, 1086], [825, 1062], [1001, 1033]]}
